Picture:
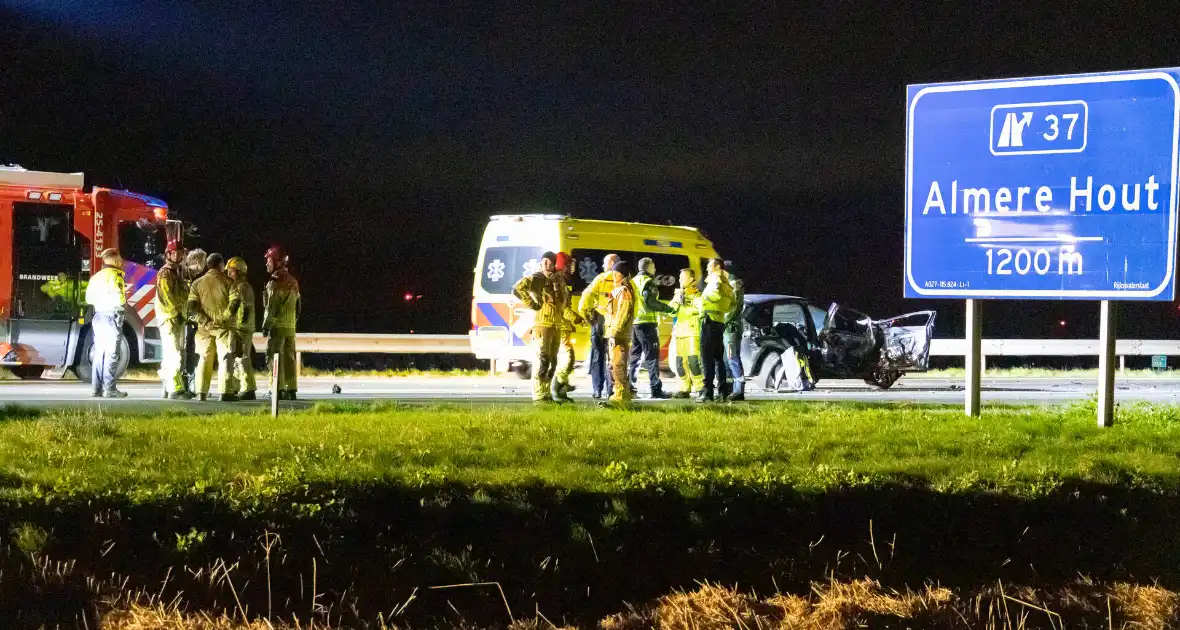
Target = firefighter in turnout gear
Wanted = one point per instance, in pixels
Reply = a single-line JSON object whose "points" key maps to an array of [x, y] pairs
{"points": [[565, 346], [194, 267], [592, 307], [240, 314], [107, 293], [715, 301], [207, 302], [620, 319], [172, 309], [646, 345], [686, 335], [281, 305], [545, 293]]}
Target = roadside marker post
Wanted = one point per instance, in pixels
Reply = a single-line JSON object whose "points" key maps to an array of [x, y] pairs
{"points": [[1045, 188], [274, 385]]}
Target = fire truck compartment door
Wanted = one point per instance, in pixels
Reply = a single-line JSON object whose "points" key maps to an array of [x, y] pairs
{"points": [[46, 288]]}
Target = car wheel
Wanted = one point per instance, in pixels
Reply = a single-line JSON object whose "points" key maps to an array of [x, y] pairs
{"points": [[27, 372], [772, 373], [84, 368], [523, 370], [883, 379]]}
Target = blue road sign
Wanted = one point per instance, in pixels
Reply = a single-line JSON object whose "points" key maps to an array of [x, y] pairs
{"points": [[1047, 188]]}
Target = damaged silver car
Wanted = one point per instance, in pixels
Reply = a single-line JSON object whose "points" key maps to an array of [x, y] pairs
{"points": [[789, 343]]}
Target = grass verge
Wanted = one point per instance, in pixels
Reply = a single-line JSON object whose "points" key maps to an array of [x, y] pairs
{"points": [[1017, 450], [412, 516]]}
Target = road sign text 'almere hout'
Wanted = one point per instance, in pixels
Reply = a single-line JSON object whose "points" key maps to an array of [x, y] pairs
{"points": [[1043, 188]]}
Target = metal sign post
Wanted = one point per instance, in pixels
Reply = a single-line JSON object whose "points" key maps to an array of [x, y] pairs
{"points": [[1048, 188], [974, 357], [1106, 339]]}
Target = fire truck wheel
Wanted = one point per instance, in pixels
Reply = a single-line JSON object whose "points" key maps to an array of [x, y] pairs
{"points": [[27, 372], [523, 370], [84, 368]]}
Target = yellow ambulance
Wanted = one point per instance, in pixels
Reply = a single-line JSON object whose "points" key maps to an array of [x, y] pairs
{"points": [[501, 327]]}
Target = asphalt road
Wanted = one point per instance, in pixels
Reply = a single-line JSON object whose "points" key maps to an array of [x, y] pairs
{"points": [[144, 396]]}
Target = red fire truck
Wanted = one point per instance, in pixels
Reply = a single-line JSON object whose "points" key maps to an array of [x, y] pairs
{"points": [[51, 233]]}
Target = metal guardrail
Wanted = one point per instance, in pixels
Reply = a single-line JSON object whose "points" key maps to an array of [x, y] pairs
{"points": [[1055, 347], [349, 343]]}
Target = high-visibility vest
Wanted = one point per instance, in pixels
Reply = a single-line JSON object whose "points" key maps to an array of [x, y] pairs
{"points": [[643, 315]]}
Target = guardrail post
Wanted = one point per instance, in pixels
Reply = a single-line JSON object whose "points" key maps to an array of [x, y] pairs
{"points": [[1106, 339], [974, 357], [298, 364], [1123, 364]]}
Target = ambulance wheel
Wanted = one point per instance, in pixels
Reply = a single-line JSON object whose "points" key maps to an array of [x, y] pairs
{"points": [[524, 371], [27, 372], [84, 369]]}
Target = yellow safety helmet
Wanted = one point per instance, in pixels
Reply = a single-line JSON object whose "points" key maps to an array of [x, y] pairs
{"points": [[236, 263]]}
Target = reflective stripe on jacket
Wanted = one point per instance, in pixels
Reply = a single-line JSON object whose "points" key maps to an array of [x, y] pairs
{"points": [[107, 291]]}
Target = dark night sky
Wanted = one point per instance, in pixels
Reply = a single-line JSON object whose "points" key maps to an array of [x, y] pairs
{"points": [[374, 140]]}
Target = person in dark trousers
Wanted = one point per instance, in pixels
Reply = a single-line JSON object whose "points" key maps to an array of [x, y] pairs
{"points": [[592, 308], [645, 347], [733, 337], [715, 301]]}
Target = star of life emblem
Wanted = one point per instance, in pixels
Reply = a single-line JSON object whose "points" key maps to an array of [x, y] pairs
{"points": [[495, 270], [587, 269]]}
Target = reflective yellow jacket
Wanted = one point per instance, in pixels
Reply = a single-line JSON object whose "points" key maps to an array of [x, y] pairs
{"points": [[280, 303], [171, 292], [688, 316], [107, 291], [208, 300], [544, 294], [240, 311], [597, 294], [717, 298], [620, 311]]}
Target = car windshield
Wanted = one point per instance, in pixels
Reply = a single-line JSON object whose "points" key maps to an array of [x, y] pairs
{"points": [[819, 316]]}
